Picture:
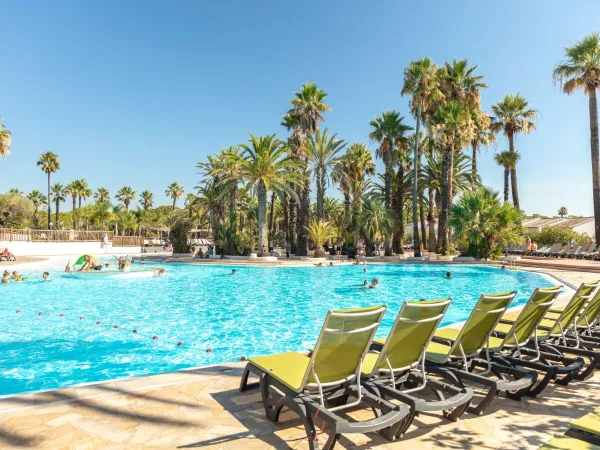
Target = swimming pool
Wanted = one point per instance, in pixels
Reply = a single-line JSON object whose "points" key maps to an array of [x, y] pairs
{"points": [[85, 331]]}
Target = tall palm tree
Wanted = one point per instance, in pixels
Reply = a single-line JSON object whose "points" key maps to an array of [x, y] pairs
{"points": [[322, 150], [308, 106], [174, 191], [72, 189], [375, 222], [422, 84], [513, 116], [482, 136], [146, 200], [581, 70], [228, 171], [58, 195], [190, 203], [265, 166], [49, 163], [356, 164], [294, 143], [508, 160], [562, 212], [84, 190], [450, 118], [388, 131], [38, 199], [102, 195], [125, 195], [5, 141]]}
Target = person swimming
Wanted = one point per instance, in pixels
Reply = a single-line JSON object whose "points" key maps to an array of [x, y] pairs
{"points": [[46, 276], [374, 283], [365, 284], [448, 275], [159, 272], [365, 270], [16, 276], [5, 278], [233, 272], [68, 268]]}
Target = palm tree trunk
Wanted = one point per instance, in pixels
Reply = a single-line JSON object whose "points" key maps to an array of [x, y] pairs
{"points": [[438, 205], [422, 220], [416, 241], [320, 193], [398, 201], [262, 219], [388, 198], [173, 208], [474, 146], [293, 220], [49, 203], [285, 204], [506, 175], [431, 221], [305, 216], [272, 216], [513, 173], [56, 213], [73, 211], [446, 197], [594, 147]]}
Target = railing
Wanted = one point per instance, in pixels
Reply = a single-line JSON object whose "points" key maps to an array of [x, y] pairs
{"points": [[21, 235], [127, 241]]}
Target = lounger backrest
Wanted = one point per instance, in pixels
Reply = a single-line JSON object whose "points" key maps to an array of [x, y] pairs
{"points": [[411, 333], [567, 316], [555, 247], [344, 340], [530, 316], [479, 326], [590, 311]]}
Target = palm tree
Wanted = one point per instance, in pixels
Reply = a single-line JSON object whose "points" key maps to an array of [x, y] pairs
{"points": [[581, 70], [72, 189], [562, 212], [58, 195], [482, 136], [190, 202], [38, 199], [388, 131], [422, 84], [308, 106], [228, 171], [265, 166], [512, 116], [15, 191], [322, 152], [320, 231], [84, 191], [375, 222], [174, 191], [5, 141], [450, 118], [125, 195], [146, 200], [102, 195], [49, 163], [508, 160]]}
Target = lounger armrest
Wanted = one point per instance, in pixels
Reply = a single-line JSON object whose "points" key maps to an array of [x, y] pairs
{"points": [[555, 311], [507, 321], [444, 341]]}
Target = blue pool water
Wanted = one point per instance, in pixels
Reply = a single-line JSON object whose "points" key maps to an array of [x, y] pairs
{"points": [[260, 310]]}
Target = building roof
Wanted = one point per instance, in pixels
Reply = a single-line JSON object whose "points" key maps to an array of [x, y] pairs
{"points": [[536, 222], [572, 223]]}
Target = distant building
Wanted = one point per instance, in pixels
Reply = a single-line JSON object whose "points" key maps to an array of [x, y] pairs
{"points": [[583, 225]]}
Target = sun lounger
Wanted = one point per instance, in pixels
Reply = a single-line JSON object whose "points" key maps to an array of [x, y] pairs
{"points": [[315, 384], [586, 428], [559, 442], [522, 330], [455, 354], [561, 251], [396, 369], [555, 342]]}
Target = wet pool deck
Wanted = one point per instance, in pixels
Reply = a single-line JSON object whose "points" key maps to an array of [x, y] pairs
{"points": [[202, 408]]}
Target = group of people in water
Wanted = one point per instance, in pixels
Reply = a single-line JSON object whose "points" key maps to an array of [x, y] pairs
{"points": [[7, 277]]}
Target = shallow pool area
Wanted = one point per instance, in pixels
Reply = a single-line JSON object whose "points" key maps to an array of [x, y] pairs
{"points": [[69, 331]]}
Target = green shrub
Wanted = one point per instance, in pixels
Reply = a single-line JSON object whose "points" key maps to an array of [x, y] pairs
{"points": [[178, 236], [15, 211], [559, 235]]}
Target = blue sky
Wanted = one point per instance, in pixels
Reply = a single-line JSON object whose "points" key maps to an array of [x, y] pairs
{"points": [[136, 93]]}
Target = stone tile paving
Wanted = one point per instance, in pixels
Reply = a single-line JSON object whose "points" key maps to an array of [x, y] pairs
{"points": [[202, 408]]}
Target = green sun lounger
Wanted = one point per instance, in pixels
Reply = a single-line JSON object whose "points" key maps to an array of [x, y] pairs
{"points": [[395, 368], [559, 343], [559, 442], [586, 428], [320, 383], [521, 331], [455, 354]]}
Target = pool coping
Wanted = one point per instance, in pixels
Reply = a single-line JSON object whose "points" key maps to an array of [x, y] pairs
{"points": [[225, 365]]}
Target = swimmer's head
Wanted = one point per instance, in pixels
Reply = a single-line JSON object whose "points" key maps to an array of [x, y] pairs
{"points": [[375, 282], [448, 275], [365, 269], [46, 275], [366, 283], [233, 272]]}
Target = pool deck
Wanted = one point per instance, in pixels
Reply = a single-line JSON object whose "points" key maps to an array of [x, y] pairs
{"points": [[202, 408]]}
